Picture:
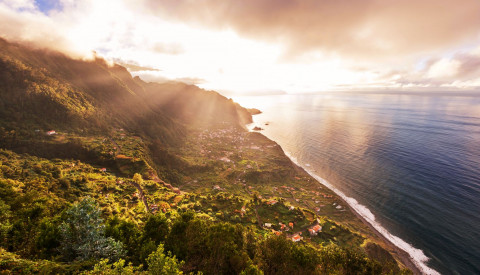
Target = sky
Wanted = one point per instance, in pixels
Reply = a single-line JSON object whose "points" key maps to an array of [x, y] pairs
{"points": [[265, 46]]}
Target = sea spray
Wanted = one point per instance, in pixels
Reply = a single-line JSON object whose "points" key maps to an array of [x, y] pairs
{"points": [[417, 255]]}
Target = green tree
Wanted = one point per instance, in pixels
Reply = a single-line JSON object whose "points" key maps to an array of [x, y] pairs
{"points": [[137, 178], [117, 268], [251, 269], [128, 233], [156, 228], [5, 225], [83, 234], [48, 237], [280, 255], [161, 263]]}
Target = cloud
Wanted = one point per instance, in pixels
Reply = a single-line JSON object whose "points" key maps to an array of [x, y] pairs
{"points": [[154, 76], [23, 22], [29, 25], [134, 66], [168, 48], [469, 65], [460, 70], [258, 45], [443, 68], [358, 28], [20, 4], [190, 80]]}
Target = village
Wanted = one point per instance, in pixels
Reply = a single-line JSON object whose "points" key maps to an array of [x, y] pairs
{"points": [[249, 165], [249, 180]]}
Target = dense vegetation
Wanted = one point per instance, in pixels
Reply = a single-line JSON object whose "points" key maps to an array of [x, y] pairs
{"points": [[101, 195]]}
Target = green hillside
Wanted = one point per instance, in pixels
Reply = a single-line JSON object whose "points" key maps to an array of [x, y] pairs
{"points": [[155, 178]]}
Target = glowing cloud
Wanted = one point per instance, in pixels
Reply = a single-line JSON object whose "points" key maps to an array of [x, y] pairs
{"points": [[264, 45]]}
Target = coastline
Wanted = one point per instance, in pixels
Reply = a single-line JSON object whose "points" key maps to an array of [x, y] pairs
{"points": [[399, 254]]}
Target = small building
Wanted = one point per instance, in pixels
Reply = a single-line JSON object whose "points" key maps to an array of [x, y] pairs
{"points": [[317, 228], [291, 207], [296, 238], [317, 209], [268, 225], [225, 159], [272, 202], [52, 132], [290, 224], [103, 169], [339, 207], [314, 230]]}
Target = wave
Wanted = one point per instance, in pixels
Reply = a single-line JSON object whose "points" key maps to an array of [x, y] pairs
{"points": [[418, 257]]}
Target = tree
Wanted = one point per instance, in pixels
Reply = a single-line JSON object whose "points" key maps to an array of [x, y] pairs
{"points": [[5, 225], [251, 269], [161, 263], [117, 268], [137, 178], [83, 234], [156, 228], [128, 233], [280, 255], [48, 237]]}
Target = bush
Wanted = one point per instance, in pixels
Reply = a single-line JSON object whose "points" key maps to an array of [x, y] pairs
{"points": [[117, 268], [161, 263]]}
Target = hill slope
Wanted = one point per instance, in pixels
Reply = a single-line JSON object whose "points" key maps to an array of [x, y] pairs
{"points": [[164, 172]]}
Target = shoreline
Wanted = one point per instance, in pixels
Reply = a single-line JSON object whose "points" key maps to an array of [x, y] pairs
{"points": [[400, 254]]}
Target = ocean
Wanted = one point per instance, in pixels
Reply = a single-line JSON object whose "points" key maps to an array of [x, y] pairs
{"points": [[408, 163]]}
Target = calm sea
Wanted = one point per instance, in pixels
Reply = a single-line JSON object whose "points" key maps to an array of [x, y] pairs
{"points": [[408, 163]]}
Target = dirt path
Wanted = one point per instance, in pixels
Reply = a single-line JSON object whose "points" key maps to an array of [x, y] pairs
{"points": [[142, 196]]}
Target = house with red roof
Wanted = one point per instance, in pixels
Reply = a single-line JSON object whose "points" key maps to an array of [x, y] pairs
{"points": [[272, 202], [315, 229], [296, 238]]}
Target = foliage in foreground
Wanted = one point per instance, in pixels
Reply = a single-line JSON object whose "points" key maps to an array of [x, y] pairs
{"points": [[45, 230], [83, 234]]}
